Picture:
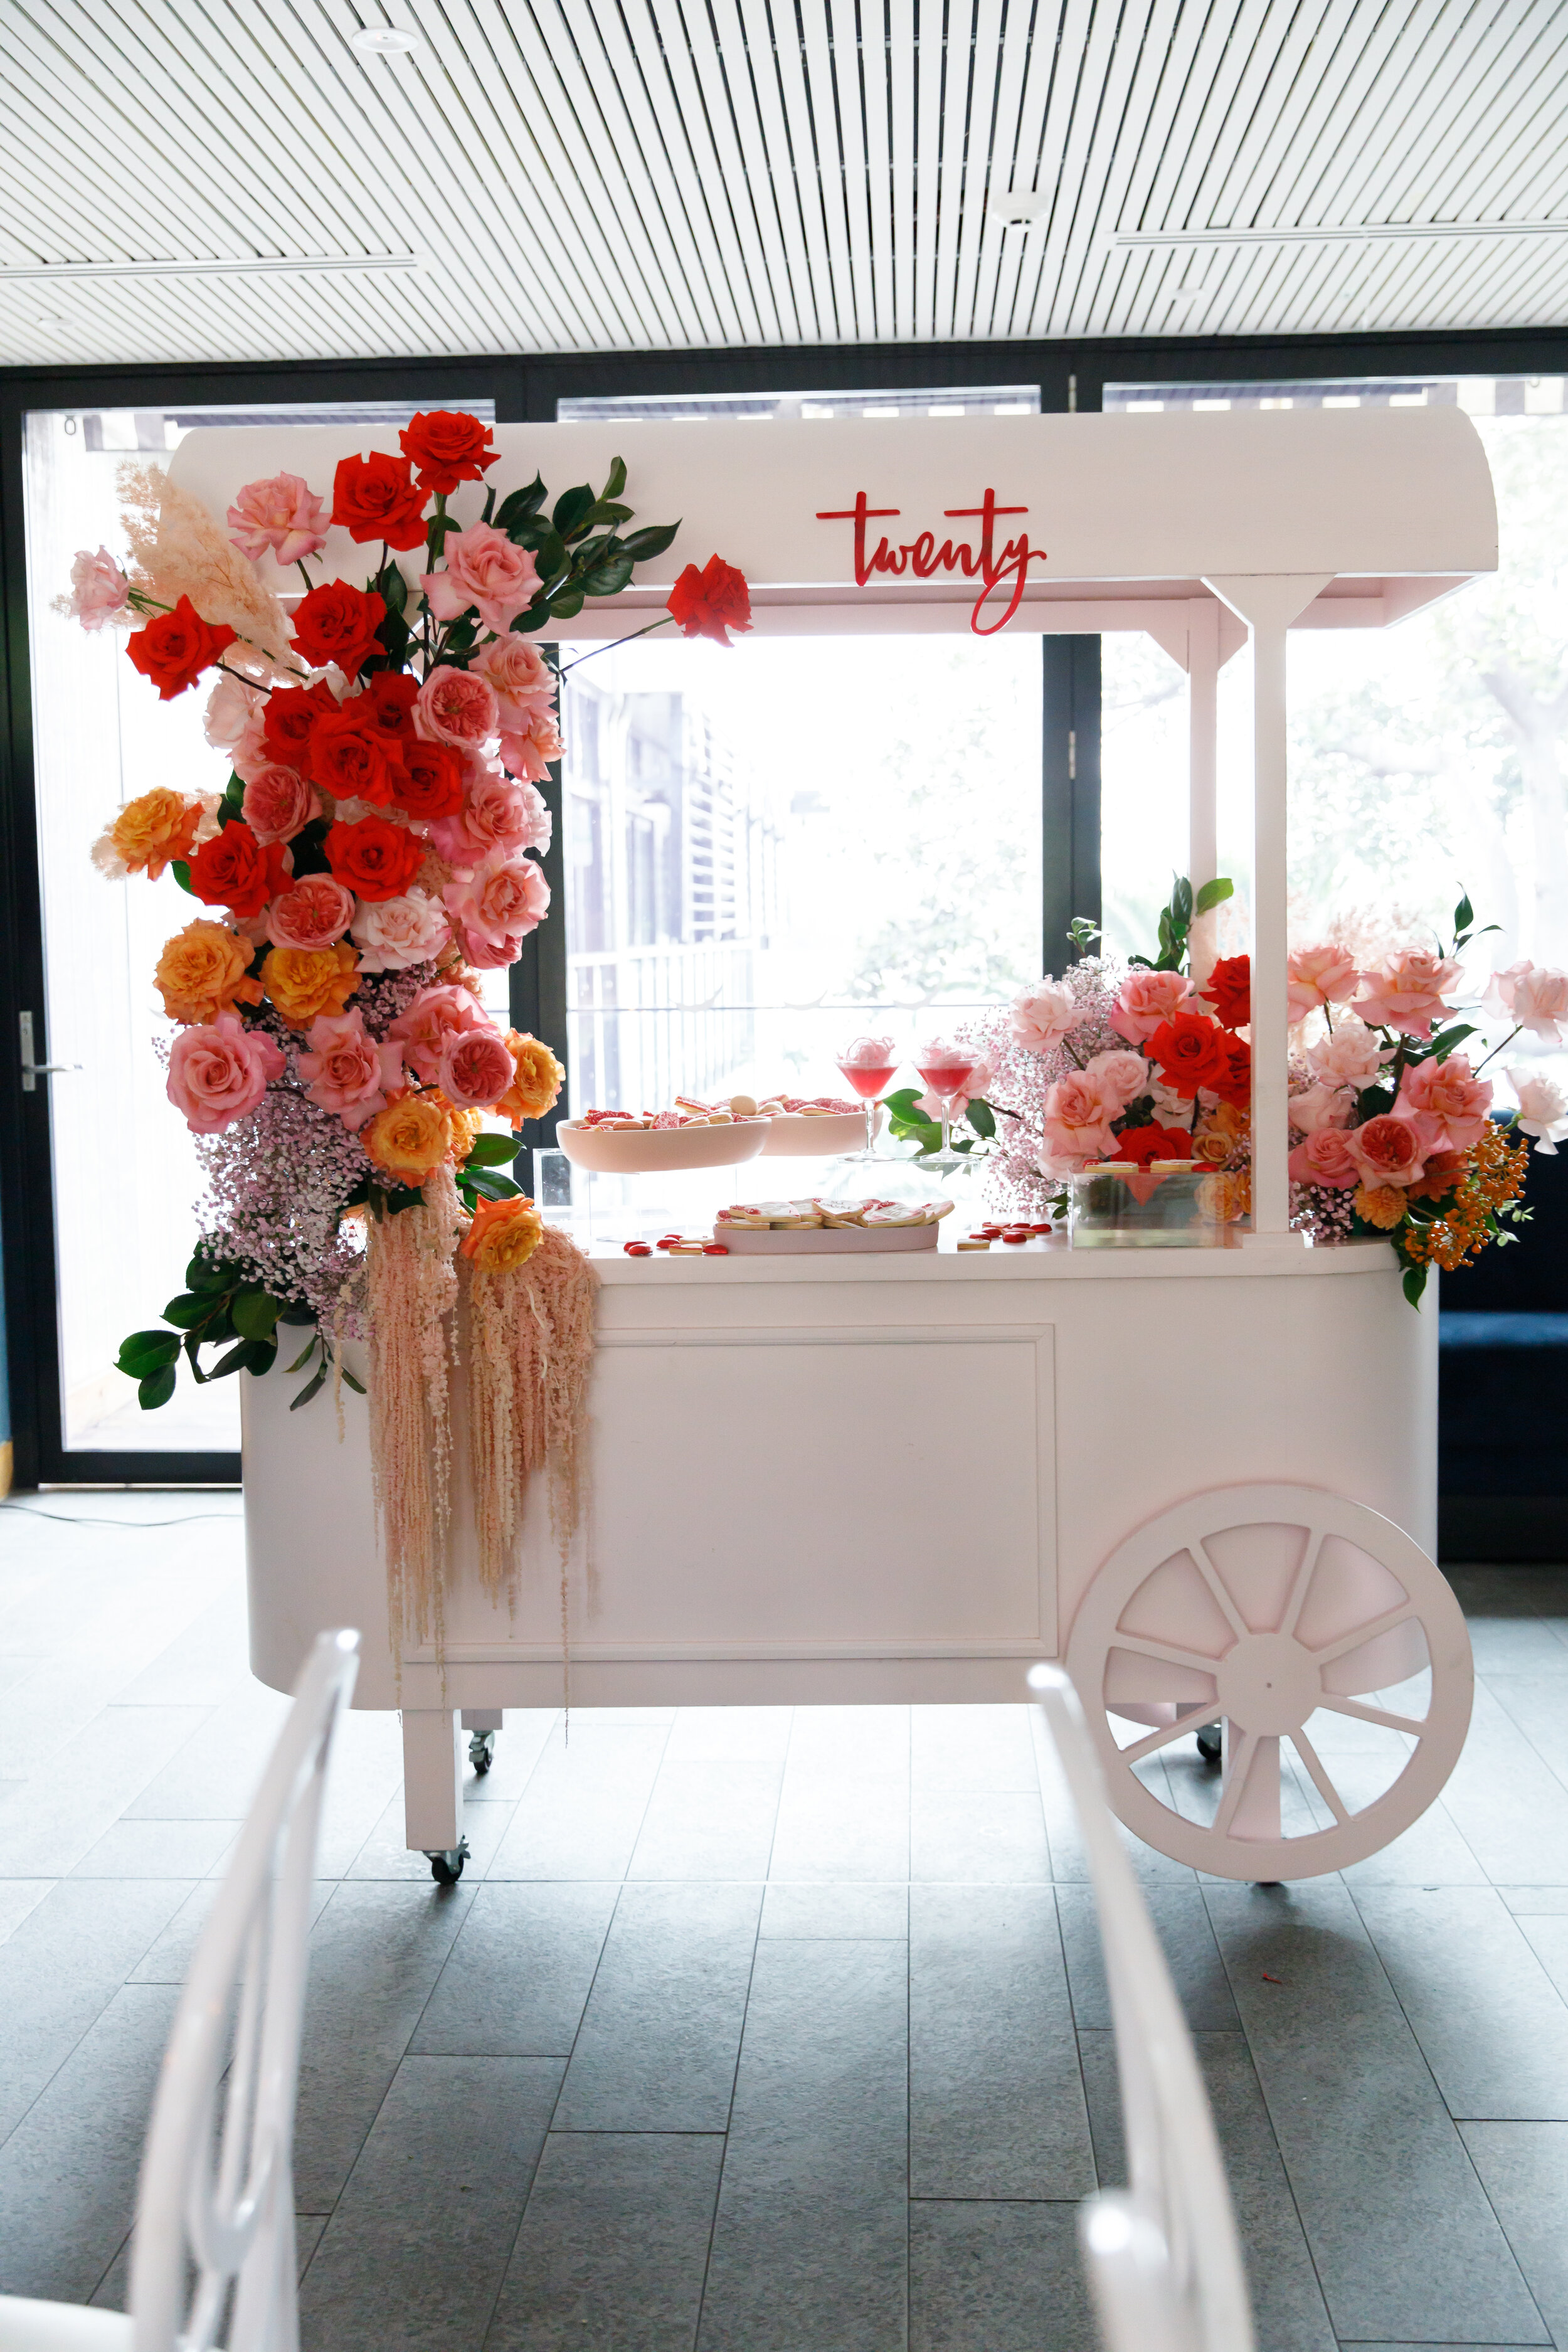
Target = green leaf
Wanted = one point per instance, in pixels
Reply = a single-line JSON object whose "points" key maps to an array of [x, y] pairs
{"points": [[205, 1273], [606, 511], [519, 505], [146, 1352], [980, 1119], [1414, 1282], [568, 606], [488, 1185], [640, 545], [255, 1314], [348, 1381], [608, 579], [156, 1388], [616, 479], [1442, 1044], [303, 1358], [187, 1313], [1212, 894], [182, 873], [571, 510], [1182, 904], [312, 1385], [392, 587], [537, 614], [900, 1104], [1464, 914], [493, 1151]]}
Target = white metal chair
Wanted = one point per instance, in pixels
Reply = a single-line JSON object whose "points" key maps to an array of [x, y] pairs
{"points": [[217, 2194], [1162, 2256]]}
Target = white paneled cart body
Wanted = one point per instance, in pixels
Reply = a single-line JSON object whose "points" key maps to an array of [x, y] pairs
{"points": [[1205, 1479]]}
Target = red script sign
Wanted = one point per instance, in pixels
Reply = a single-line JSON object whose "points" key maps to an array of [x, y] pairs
{"points": [[924, 559]]}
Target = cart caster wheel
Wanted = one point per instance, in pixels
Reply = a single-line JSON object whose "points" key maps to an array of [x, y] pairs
{"points": [[1327, 1647], [481, 1751], [1211, 1743], [446, 1868]]}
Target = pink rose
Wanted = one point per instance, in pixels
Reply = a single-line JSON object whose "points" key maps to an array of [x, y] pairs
{"points": [[1325, 1158], [520, 674], [475, 1068], [1121, 1077], [346, 1071], [1451, 1098], [456, 706], [1542, 1109], [1407, 991], [313, 914], [1077, 1115], [277, 802], [1351, 1056], [1147, 999], [485, 569], [393, 933], [218, 1073], [99, 592], [231, 707], [497, 814], [528, 749], [282, 514], [1387, 1149], [1532, 998], [1320, 1108], [1043, 1014], [1325, 974], [434, 1015], [503, 899]]}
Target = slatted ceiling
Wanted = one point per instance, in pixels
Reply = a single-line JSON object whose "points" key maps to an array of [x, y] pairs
{"points": [[621, 174]]}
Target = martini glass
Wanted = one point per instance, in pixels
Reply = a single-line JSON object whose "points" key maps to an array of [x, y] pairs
{"points": [[947, 1067], [869, 1064]]}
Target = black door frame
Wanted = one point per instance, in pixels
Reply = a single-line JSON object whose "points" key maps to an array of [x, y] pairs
{"points": [[526, 389]]}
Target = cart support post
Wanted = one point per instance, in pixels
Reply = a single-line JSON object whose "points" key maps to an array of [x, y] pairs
{"points": [[1203, 740], [432, 1779]]}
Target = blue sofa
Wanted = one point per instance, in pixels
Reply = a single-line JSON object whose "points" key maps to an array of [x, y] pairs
{"points": [[1503, 1414]]}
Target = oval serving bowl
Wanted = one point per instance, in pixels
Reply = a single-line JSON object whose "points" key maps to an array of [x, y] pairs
{"points": [[650, 1150]]}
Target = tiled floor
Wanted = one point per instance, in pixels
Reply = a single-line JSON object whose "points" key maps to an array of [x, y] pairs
{"points": [[760, 2033]]}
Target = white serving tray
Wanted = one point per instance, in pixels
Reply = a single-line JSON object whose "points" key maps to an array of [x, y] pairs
{"points": [[823, 1241], [656, 1150]]}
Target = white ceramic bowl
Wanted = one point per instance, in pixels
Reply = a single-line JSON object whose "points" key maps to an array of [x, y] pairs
{"points": [[648, 1150], [793, 1136]]}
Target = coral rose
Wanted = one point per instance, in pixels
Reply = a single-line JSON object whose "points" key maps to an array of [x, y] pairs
{"points": [[314, 913], [1324, 1158], [431, 784], [497, 814], [346, 1071], [148, 834], [376, 497], [282, 514], [291, 713], [219, 1072], [1387, 1151], [393, 933], [352, 762], [175, 649], [205, 970], [410, 1137], [279, 803], [100, 591], [1229, 988], [485, 571], [475, 1068], [522, 678], [1450, 1097], [446, 446], [711, 603], [1353, 1055], [503, 899], [1041, 1015], [337, 623], [374, 858], [1189, 1052], [1542, 1109], [1407, 993], [237, 871], [456, 706], [1322, 974], [1383, 1205], [1532, 998], [503, 1235], [537, 1081], [530, 747], [305, 982], [436, 1015], [1146, 999]]}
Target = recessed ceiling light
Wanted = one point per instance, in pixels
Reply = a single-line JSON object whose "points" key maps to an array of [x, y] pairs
{"points": [[48, 318], [1190, 288], [383, 41]]}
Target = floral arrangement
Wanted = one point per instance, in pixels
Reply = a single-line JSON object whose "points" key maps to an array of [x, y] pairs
{"points": [[1394, 1133], [374, 850]]}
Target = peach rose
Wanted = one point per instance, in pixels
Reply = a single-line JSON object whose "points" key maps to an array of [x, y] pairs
{"points": [[346, 1071], [1146, 1000], [520, 674], [277, 802], [486, 569], [1325, 974], [537, 1081], [1353, 1055], [410, 1137], [503, 899], [456, 706], [148, 834], [393, 933], [231, 707], [1387, 1151], [1450, 1099], [305, 982], [219, 1072], [503, 1235], [436, 1015], [528, 747], [1077, 1115], [202, 971], [1407, 993], [1317, 1107], [1532, 998], [1122, 1076], [314, 913], [1042, 1014], [1324, 1159], [476, 1069], [283, 514]]}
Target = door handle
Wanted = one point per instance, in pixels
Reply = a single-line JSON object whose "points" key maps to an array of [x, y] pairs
{"points": [[33, 1071]]}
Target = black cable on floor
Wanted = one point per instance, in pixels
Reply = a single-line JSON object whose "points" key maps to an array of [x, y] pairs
{"points": [[70, 1518]]}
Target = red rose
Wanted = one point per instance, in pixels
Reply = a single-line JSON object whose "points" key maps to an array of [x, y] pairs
{"points": [[1229, 990], [291, 713], [1143, 1144], [709, 602], [373, 858], [432, 782], [1186, 1048], [447, 447], [175, 649], [387, 703], [234, 870], [337, 623], [1233, 1079], [376, 497], [352, 760]]}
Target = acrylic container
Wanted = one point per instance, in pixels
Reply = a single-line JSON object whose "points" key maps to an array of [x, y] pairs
{"points": [[1169, 1205]]}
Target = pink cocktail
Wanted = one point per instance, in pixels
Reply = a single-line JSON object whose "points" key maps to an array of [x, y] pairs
{"points": [[867, 1083], [947, 1069], [869, 1064]]}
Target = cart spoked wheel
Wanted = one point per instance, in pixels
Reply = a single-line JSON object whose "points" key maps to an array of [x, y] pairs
{"points": [[1319, 1634], [446, 1868], [481, 1751]]}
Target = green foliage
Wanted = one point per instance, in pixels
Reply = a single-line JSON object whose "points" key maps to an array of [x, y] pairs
{"points": [[221, 1303], [1176, 920]]}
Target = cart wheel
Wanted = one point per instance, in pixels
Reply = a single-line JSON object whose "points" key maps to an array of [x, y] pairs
{"points": [[482, 1749], [446, 1868], [1211, 1743], [1303, 1620]]}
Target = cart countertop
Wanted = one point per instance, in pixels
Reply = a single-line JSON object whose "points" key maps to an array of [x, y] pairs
{"points": [[1037, 1261]]}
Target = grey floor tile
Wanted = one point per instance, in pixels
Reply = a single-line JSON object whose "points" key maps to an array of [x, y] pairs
{"points": [[614, 2246], [68, 2172], [997, 2278], [1068, 1863], [980, 1834], [1525, 2171], [17, 1898], [521, 1742], [62, 1966], [385, 1854], [1373, 2157], [158, 1850], [730, 1735], [366, 1775], [657, 2048], [413, 2255], [844, 1809], [996, 2106], [582, 1810], [1187, 1938], [810, 2246], [836, 1911], [1534, 1902], [1491, 2025], [197, 1668], [48, 1823], [1535, 1699], [1510, 1809], [971, 1748], [518, 1977], [167, 1959], [709, 1819], [213, 1774]]}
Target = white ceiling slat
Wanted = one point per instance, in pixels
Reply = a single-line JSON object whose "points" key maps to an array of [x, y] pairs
{"points": [[705, 217], [1083, 253], [814, 47], [836, 324], [979, 134], [1102, 60], [842, 26], [745, 32], [1083, 23], [875, 83], [993, 237], [730, 87], [902, 95], [719, 179]]}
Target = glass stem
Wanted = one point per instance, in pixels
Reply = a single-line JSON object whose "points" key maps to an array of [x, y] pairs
{"points": [[870, 1127], [946, 1132]]}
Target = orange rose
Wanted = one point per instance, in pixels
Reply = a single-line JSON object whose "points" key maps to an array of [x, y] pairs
{"points": [[467, 1127], [537, 1081], [305, 982], [504, 1234], [410, 1137], [206, 970], [150, 832], [1380, 1205]]}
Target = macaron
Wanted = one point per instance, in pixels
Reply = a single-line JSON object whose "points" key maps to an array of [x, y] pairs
{"points": [[637, 1249], [715, 1249]]}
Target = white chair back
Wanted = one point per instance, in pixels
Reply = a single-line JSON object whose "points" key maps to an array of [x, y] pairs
{"points": [[1162, 2256], [217, 2189]]}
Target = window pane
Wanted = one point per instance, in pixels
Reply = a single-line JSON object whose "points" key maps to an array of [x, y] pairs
{"points": [[964, 400]]}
